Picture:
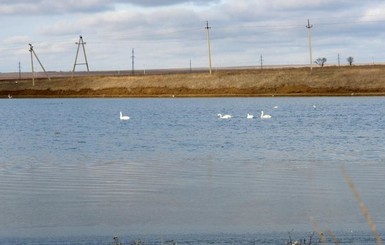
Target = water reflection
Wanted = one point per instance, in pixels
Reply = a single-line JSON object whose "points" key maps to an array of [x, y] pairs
{"points": [[76, 169]]}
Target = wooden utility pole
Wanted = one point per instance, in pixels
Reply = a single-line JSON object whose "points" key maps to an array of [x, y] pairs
{"points": [[80, 43]]}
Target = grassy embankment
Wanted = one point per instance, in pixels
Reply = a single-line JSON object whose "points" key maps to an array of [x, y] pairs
{"points": [[327, 81]]}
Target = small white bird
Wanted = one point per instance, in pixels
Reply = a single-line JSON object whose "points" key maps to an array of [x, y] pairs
{"points": [[275, 107], [123, 117], [9, 96], [250, 116], [226, 116], [265, 116]]}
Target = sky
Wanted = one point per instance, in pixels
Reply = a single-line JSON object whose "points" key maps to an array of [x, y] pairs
{"points": [[171, 33]]}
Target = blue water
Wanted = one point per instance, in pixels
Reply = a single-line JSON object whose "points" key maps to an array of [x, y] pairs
{"points": [[72, 172]]}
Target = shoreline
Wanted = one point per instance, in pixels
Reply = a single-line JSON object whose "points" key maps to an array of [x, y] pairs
{"points": [[283, 82]]}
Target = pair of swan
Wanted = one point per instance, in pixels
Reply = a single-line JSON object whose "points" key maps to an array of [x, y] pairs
{"points": [[226, 116], [123, 118], [249, 116], [265, 116]]}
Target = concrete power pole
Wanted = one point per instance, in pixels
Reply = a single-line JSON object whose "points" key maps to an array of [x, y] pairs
{"points": [[133, 62], [33, 71], [41, 65], [19, 70], [208, 43], [339, 60], [310, 49]]}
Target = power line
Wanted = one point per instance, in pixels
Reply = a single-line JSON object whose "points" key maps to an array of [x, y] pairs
{"points": [[154, 37]]}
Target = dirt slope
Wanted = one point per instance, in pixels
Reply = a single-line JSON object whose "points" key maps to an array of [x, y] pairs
{"points": [[355, 80]]}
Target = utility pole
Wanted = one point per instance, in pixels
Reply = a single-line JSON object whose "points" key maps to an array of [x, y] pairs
{"points": [[339, 60], [310, 49], [133, 62], [33, 72], [19, 71], [261, 62], [208, 43], [190, 66], [80, 43]]}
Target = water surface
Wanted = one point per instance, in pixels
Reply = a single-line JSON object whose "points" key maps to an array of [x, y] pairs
{"points": [[70, 168]]}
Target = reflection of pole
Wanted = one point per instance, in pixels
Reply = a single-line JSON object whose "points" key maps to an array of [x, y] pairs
{"points": [[208, 43], [310, 49]]}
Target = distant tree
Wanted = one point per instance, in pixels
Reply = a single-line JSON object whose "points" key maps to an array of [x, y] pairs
{"points": [[320, 61], [350, 60]]}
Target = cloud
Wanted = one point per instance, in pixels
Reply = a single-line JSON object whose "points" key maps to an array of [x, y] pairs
{"points": [[16, 39], [49, 7], [169, 36], [375, 13], [152, 3]]}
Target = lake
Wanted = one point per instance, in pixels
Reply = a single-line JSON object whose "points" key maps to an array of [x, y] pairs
{"points": [[71, 172]]}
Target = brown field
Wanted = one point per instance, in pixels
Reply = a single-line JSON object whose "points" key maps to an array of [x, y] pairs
{"points": [[326, 81]]}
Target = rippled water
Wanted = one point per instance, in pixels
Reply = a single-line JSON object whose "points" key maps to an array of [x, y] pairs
{"points": [[70, 170]]}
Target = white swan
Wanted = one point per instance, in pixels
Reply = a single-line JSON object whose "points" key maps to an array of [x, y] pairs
{"points": [[123, 117], [249, 116], [265, 116], [226, 116]]}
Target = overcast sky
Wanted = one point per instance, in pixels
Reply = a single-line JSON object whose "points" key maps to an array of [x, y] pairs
{"points": [[170, 33]]}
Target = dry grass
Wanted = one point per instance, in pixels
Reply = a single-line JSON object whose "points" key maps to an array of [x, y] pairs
{"points": [[361, 80]]}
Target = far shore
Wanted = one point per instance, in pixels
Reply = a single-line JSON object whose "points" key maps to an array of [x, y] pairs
{"points": [[368, 80]]}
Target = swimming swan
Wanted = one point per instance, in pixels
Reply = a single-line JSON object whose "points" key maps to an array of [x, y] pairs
{"points": [[265, 116], [123, 117], [249, 116], [226, 116]]}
